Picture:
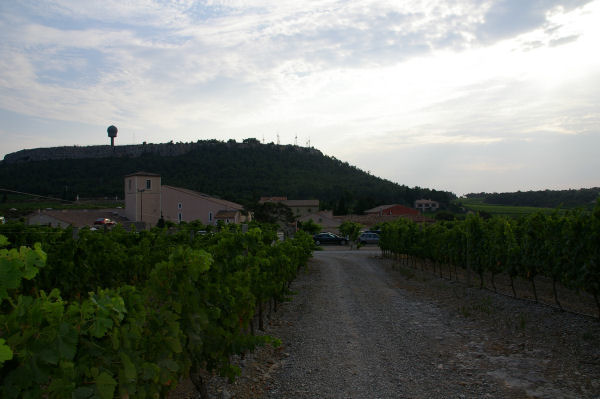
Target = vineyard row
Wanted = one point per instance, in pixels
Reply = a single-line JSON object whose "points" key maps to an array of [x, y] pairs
{"points": [[562, 246], [129, 314]]}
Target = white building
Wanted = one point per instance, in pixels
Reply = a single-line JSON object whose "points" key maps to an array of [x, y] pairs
{"points": [[146, 200], [427, 205]]}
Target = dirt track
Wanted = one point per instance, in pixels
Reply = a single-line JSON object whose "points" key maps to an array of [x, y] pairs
{"points": [[361, 328]]}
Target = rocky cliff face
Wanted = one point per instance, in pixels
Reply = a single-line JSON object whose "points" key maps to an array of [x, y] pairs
{"points": [[132, 151], [99, 151]]}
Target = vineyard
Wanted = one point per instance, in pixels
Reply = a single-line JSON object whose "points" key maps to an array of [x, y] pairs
{"points": [[563, 247], [129, 314]]}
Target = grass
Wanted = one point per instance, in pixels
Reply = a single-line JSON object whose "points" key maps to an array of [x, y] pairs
{"points": [[25, 205], [477, 204], [407, 273], [484, 305]]}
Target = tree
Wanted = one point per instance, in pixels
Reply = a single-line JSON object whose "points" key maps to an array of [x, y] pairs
{"points": [[444, 215], [271, 212], [310, 227], [251, 140], [350, 230]]}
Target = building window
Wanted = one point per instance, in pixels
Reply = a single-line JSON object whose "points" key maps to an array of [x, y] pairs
{"points": [[179, 217], [129, 181], [210, 217], [179, 206], [148, 184]]}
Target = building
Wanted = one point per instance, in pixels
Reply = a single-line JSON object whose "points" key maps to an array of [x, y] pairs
{"points": [[325, 219], [183, 205], [146, 200], [299, 208], [392, 210], [427, 205], [143, 197]]}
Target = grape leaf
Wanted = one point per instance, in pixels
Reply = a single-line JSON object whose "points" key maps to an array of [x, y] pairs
{"points": [[105, 385], [5, 351]]}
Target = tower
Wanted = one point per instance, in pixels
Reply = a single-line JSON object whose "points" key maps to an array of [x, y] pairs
{"points": [[112, 133]]}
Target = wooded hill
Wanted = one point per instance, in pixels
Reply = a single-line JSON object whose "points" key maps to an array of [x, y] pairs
{"points": [[241, 172], [585, 197]]}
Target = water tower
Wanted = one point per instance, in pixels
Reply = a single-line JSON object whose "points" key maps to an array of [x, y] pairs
{"points": [[112, 133]]}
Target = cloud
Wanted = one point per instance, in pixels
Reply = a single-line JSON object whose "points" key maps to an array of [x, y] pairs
{"points": [[508, 18], [429, 76]]}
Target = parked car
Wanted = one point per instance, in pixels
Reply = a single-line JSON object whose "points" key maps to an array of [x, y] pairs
{"points": [[329, 238], [369, 238], [104, 222]]}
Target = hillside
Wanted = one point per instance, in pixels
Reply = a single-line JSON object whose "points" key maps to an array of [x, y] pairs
{"points": [[241, 172], [585, 197]]}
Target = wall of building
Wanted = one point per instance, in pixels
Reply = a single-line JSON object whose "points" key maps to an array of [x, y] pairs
{"points": [[190, 206], [143, 204], [302, 207]]}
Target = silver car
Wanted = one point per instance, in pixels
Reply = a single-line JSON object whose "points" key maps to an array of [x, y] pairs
{"points": [[369, 238]]}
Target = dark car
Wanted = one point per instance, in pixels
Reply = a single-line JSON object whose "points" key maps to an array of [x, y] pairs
{"points": [[329, 238], [369, 238]]}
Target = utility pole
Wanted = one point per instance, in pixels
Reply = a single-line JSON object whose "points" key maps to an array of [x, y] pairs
{"points": [[141, 191]]}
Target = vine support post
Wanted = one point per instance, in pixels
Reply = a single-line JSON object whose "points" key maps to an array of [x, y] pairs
{"points": [[261, 325], [512, 285], [556, 294], [198, 382], [533, 287]]}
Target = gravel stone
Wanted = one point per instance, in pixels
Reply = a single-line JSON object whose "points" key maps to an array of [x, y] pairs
{"points": [[360, 327]]}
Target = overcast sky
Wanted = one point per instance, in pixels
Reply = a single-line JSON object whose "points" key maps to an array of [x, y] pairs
{"points": [[458, 95]]}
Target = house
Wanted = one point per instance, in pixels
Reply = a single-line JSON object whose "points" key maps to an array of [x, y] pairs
{"points": [[326, 219], [427, 205], [299, 207], [146, 200], [392, 210]]}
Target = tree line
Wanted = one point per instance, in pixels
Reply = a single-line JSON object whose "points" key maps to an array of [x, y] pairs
{"points": [[584, 197]]}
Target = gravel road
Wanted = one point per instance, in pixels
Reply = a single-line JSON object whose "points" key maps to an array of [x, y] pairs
{"points": [[353, 331], [363, 327]]}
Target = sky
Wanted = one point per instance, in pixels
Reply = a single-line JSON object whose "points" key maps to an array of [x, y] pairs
{"points": [[457, 95]]}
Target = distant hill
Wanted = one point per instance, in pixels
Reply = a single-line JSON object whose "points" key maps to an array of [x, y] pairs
{"points": [[241, 172], [585, 197]]}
